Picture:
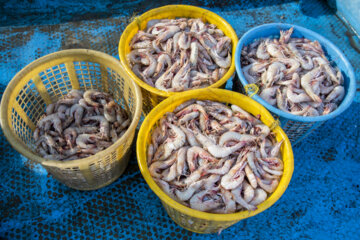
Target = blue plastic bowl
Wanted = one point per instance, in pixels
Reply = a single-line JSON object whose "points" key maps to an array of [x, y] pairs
{"points": [[333, 53]]}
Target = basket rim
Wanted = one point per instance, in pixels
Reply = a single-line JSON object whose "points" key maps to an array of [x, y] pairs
{"points": [[346, 102], [135, 23], [141, 152], [14, 140]]}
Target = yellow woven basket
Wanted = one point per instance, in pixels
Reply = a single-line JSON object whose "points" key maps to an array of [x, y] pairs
{"points": [[153, 96], [47, 79], [194, 220]]}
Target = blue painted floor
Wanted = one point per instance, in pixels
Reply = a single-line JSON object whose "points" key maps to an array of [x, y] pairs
{"points": [[321, 201]]}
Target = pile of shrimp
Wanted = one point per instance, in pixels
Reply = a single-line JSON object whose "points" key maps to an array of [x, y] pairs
{"points": [[293, 74], [179, 54], [79, 125], [214, 158]]}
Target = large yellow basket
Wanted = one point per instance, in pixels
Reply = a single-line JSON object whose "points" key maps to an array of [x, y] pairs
{"points": [[153, 96], [194, 220], [49, 78]]}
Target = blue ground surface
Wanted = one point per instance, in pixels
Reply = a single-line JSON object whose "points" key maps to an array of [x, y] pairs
{"points": [[321, 201]]}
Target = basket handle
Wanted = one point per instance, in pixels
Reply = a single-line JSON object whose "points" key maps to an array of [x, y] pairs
{"points": [[251, 89]]}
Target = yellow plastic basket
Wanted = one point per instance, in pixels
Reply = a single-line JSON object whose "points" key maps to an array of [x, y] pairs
{"points": [[194, 220], [153, 96], [49, 78]]}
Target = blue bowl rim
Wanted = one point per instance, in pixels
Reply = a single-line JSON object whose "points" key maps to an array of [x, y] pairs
{"points": [[351, 75]]}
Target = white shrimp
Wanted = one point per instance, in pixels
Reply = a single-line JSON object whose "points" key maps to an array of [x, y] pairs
{"points": [[170, 173], [86, 140], [182, 77], [276, 148], [274, 50], [235, 176], [237, 196], [325, 64], [193, 153], [269, 94], [248, 192], [329, 107], [186, 118], [163, 59], [53, 120], [211, 181], [281, 99], [150, 153], [224, 168], [181, 161], [184, 41], [163, 81], [160, 165], [77, 111], [305, 64], [261, 51], [274, 73], [88, 95], [269, 186], [168, 33], [274, 162], [190, 137], [294, 65], [171, 144], [184, 105], [190, 190], [195, 175], [142, 44], [230, 204], [200, 201], [150, 70], [104, 124], [214, 149], [296, 98], [251, 164], [261, 130], [336, 95], [250, 176], [285, 35], [50, 108], [246, 71], [259, 197], [166, 188], [237, 137]]}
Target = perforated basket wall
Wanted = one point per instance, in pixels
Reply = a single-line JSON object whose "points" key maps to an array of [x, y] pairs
{"points": [[295, 130], [49, 78], [195, 220]]}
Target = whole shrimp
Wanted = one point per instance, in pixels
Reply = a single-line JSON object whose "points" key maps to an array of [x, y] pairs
{"points": [[237, 197], [171, 144], [193, 153], [215, 149], [54, 120], [104, 125], [235, 176]]}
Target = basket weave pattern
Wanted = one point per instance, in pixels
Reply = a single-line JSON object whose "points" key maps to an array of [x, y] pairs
{"points": [[45, 81]]}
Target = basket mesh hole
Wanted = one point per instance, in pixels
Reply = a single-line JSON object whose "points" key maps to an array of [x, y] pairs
{"points": [[21, 129], [296, 130], [56, 81], [89, 75], [118, 90], [31, 102]]}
